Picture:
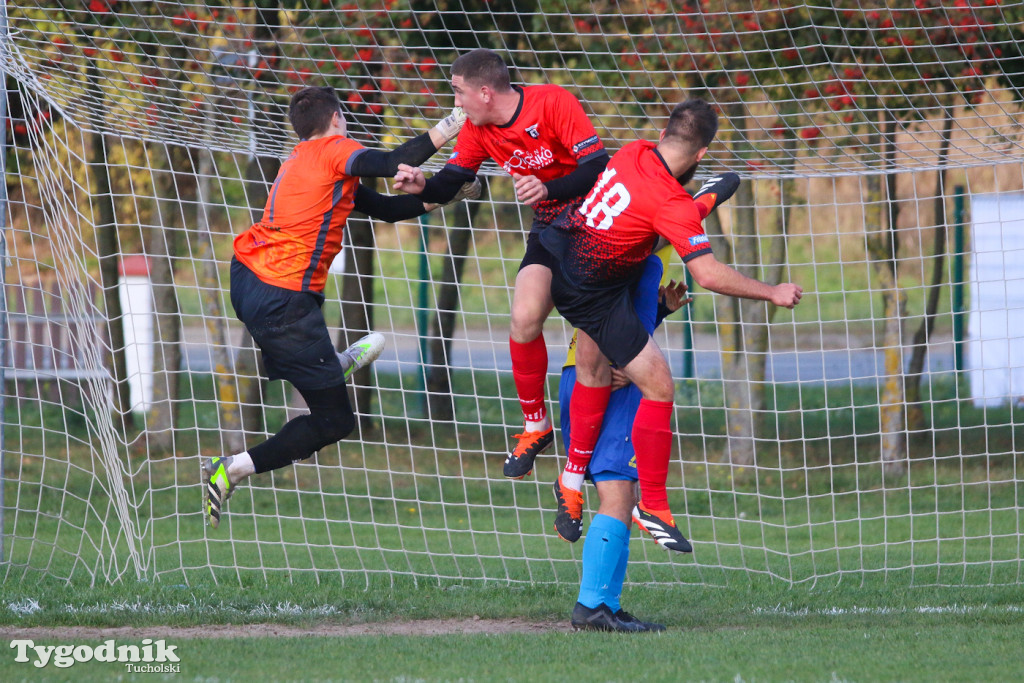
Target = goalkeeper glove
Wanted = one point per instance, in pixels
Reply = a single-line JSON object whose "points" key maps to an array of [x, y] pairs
{"points": [[714, 191], [450, 125], [471, 190]]}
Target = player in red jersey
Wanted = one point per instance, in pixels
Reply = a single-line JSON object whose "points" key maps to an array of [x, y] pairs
{"points": [[280, 268], [541, 136], [638, 199]]}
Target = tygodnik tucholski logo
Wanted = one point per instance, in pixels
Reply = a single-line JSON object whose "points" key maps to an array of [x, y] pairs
{"points": [[149, 656]]}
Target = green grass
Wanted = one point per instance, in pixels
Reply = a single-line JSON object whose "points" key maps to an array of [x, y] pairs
{"points": [[759, 631], [922, 650]]}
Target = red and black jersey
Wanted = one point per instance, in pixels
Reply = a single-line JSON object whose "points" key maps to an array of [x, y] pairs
{"points": [[635, 200], [301, 230], [548, 137]]}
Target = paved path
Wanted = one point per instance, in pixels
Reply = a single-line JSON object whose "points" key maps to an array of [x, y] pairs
{"points": [[480, 350]]}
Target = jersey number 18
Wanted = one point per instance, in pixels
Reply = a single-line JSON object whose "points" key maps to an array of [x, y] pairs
{"points": [[612, 202]]}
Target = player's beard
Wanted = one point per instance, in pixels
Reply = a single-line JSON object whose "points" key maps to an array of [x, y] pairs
{"points": [[687, 175]]}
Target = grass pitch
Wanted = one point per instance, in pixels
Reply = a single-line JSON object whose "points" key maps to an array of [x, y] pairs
{"points": [[810, 567], [758, 632]]}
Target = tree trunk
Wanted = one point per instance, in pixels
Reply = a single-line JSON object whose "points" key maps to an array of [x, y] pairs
{"points": [[252, 383], [883, 249], [208, 280], [915, 415], [108, 249], [743, 323], [174, 182], [439, 378], [739, 337], [357, 300], [259, 174], [727, 316]]}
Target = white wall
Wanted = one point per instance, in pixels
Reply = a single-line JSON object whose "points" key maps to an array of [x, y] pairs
{"points": [[995, 326]]}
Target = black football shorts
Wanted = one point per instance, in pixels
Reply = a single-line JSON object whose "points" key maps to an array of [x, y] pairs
{"points": [[289, 328], [608, 316]]}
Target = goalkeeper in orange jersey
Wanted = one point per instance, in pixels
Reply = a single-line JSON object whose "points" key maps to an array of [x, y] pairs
{"points": [[280, 268], [638, 198]]}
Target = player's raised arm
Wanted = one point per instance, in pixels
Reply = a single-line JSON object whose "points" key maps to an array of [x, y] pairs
{"points": [[381, 164]]}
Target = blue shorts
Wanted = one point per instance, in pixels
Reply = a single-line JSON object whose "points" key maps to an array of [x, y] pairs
{"points": [[613, 456]]}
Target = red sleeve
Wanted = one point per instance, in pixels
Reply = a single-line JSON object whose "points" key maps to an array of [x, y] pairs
{"points": [[679, 221], [574, 127], [469, 154], [338, 152]]}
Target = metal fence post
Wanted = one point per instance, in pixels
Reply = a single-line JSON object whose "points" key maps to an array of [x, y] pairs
{"points": [[421, 308], [958, 278]]}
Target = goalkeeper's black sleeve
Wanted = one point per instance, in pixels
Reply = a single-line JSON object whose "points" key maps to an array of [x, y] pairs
{"points": [[388, 209], [375, 163], [579, 182], [445, 184]]}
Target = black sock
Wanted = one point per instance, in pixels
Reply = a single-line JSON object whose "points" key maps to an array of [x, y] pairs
{"points": [[330, 419]]}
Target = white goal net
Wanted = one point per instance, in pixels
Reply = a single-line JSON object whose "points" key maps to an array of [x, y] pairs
{"points": [[868, 435]]}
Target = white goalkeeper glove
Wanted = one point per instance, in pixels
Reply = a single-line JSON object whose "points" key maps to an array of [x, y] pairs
{"points": [[471, 190], [449, 126]]}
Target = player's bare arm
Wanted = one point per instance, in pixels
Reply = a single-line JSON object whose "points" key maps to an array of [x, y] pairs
{"points": [[715, 276]]}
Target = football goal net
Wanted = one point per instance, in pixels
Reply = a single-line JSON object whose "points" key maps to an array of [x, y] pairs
{"points": [[867, 435]]}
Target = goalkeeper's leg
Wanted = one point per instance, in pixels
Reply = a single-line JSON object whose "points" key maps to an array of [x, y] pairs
{"points": [[329, 420]]}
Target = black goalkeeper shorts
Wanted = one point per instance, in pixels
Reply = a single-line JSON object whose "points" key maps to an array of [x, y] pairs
{"points": [[608, 316], [290, 330]]}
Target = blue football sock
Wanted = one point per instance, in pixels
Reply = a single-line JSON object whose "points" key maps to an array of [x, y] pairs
{"points": [[615, 589], [607, 541]]}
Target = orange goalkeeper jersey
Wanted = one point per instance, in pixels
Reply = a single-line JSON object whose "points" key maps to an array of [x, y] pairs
{"points": [[302, 226]]}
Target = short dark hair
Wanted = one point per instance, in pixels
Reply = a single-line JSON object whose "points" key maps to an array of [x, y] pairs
{"points": [[311, 109], [693, 123], [483, 66]]}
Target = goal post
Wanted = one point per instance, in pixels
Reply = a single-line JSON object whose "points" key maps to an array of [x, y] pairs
{"points": [[833, 443]]}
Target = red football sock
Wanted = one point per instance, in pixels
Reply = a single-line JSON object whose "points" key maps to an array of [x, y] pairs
{"points": [[586, 412], [529, 369], [652, 441]]}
